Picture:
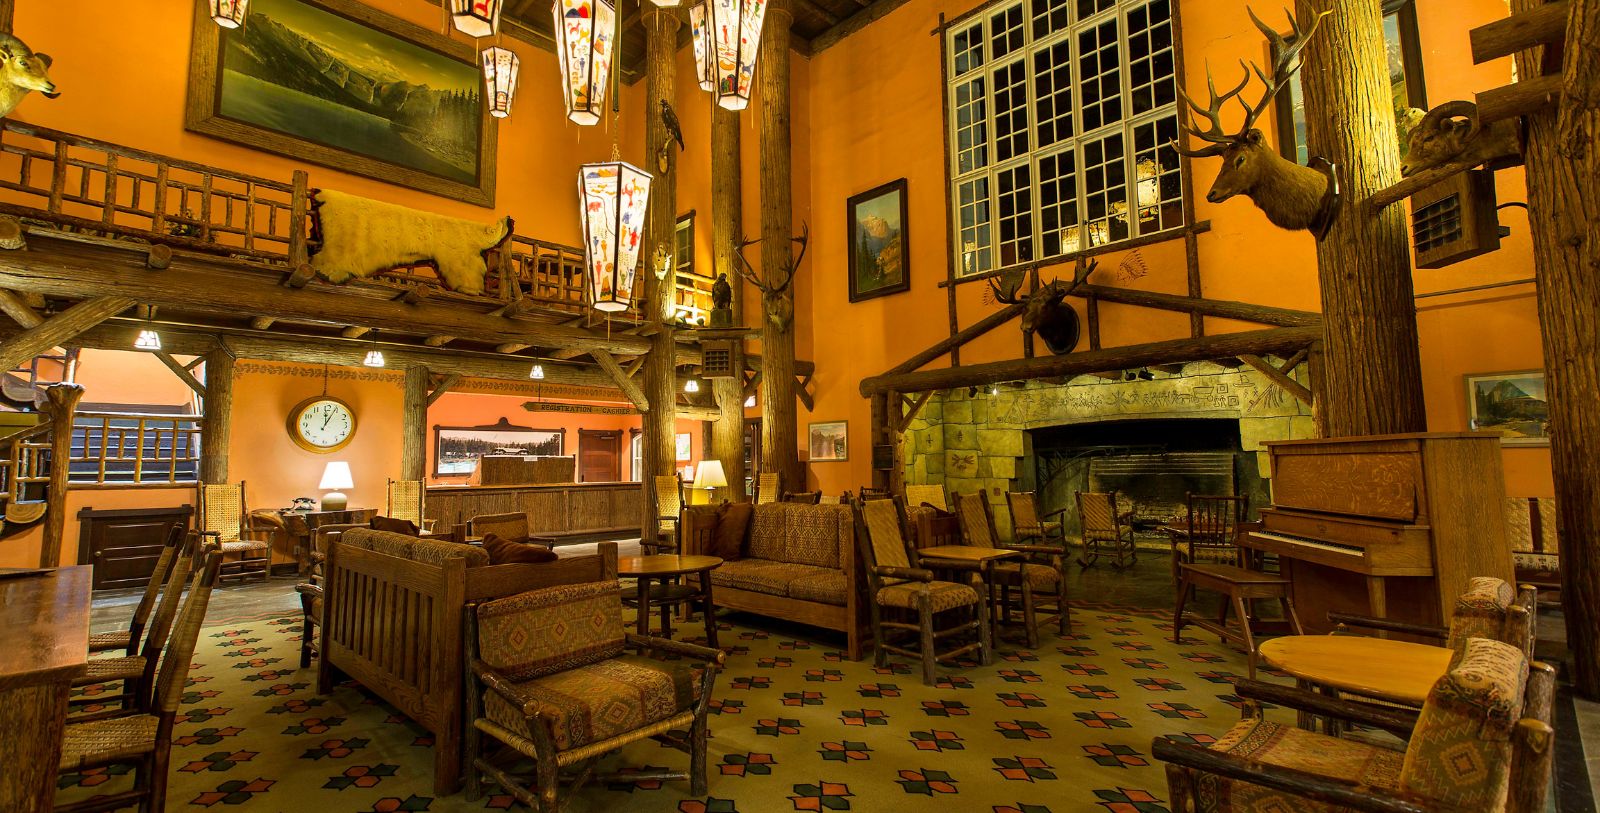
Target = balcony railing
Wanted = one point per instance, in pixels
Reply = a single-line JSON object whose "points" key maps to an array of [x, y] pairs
{"points": [[131, 448]]}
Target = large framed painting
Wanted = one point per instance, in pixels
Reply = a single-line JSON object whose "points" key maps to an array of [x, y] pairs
{"points": [[829, 441], [456, 449], [879, 247], [338, 83], [1512, 404], [1403, 50]]}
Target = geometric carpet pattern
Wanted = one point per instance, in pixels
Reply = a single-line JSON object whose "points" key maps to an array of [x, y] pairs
{"points": [[795, 727]]}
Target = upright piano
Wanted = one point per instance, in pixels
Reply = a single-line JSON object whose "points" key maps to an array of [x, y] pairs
{"points": [[1387, 525]]}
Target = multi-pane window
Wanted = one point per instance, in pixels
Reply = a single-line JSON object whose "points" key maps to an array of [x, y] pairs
{"points": [[1062, 115]]}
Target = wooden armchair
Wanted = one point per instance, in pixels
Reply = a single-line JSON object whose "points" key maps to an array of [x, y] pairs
{"points": [[223, 517], [803, 497], [927, 495], [512, 526], [408, 500], [1026, 523], [311, 590], [1040, 583], [129, 639], [893, 584], [669, 515], [767, 488], [1482, 742], [549, 680], [1107, 531]]}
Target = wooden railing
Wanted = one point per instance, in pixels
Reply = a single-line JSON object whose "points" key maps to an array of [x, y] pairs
{"points": [[23, 462], [131, 448], [547, 274]]}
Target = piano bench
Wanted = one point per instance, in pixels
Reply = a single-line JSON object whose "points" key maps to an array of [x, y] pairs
{"points": [[1241, 587]]}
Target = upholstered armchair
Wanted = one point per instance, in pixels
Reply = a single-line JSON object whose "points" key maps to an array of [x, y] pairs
{"points": [[1483, 742], [550, 679]]}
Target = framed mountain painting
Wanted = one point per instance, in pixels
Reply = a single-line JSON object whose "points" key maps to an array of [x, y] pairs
{"points": [[879, 247], [1512, 404]]}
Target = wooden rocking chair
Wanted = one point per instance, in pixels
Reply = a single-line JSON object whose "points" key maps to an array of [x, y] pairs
{"points": [[1107, 531]]}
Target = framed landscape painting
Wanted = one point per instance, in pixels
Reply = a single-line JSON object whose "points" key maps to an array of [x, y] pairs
{"points": [[829, 441], [879, 249], [456, 449], [1512, 404], [340, 84]]}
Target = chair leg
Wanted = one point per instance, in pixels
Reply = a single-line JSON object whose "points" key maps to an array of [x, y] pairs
{"points": [[1243, 611], [472, 775], [879, 654], [928, 662], [1288, 610], [157, 797], [697, 756], [985, 635], [546, 773], [1063, 609], [1028, 615]]}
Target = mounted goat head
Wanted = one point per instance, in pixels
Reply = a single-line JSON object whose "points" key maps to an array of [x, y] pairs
{"points": [[1046, 315], [1293, 197], [1451, 133], [22, 72], [775, 302]]}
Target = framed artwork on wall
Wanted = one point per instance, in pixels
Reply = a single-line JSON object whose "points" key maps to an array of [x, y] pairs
{"points": [[879, 248], [829, 441], [1512, 404], [456, 449], [684, 446], [338, 83]]}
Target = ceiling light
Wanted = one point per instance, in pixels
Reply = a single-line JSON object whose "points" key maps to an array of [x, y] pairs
{"points": [[500, 68], [476, 18], [374, 358], [147, 340], [692, 385], [537, 374], [229, 13]]}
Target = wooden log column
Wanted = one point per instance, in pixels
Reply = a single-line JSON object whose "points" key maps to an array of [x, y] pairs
{"points": [[1372, 371], [61, 402], [727, 226], [414, 424], [779, 432], [218, 422], [1563, 167], [659, 294]]}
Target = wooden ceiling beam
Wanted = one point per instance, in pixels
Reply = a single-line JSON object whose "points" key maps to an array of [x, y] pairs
{"points": [[182, 372], [623, 381], [62, 328], [19, 310]]}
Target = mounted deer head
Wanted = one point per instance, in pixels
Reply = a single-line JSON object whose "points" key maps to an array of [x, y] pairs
{"points": [[1045, 314], [779, 309], [1293, 197]]}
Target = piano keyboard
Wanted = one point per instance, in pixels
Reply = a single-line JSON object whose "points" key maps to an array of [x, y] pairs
{"points": [[1302, 542]]}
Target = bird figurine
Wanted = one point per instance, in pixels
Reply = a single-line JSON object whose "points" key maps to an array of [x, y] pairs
{"points": [[669, 120]]}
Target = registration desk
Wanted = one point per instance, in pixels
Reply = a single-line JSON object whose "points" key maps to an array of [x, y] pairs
{"points": [[43, 646], [559, 510]]}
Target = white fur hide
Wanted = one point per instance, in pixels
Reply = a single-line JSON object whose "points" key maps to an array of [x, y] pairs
{"points": [[362, 237]]}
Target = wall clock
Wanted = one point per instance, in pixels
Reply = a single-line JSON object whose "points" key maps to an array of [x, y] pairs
{"points": [[322, 424]]}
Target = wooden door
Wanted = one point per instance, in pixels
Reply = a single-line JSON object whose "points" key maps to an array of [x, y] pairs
{"points": [[599, 456], [123, 545]]}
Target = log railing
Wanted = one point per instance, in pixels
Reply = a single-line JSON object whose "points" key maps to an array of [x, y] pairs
{"points": [[130, 448], [22, 462]]}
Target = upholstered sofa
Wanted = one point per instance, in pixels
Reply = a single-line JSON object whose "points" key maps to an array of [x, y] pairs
{"points": [[392, 620], [800, 564]]}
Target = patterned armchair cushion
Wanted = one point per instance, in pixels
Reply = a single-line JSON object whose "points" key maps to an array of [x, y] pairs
{"points": [[941, 595], [427, 551], [1289, 747], [1039, 577], [590, 703], [764, 576], [1460, 751], [1480, 612], [766, 531], [554, 629], [826, 586]]}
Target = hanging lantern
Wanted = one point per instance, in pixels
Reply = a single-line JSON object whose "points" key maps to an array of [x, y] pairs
{"points": [[374, 358], [500, 68], [665, 3], [615, 196], [584, 30], [147, 340], [731, 41], [229, 13], [700, 35], [537, 373], [476, 18]]}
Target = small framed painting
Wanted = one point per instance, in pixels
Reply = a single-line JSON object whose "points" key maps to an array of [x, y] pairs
{"points": [[879, 250], [684, 446], [829, 441], [1512, 404]]}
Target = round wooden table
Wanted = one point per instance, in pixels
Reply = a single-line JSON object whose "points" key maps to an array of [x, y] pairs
{"points": [[661, 568], [1396, 671]]}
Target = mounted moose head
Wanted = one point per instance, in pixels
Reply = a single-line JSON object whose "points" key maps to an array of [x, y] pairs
{"points": [[1451, 133], [1046, 315], [1294, 197]]}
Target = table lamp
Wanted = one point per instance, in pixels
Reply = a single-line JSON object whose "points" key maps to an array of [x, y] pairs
{"points": [[710, 477], [335, 477]]}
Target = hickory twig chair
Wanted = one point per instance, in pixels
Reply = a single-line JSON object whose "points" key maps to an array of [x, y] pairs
{"points": [[548, 680], [144, 740], [1107, 531], [408, 500], [128, 640], [1039, 582], [669, 515], [767, 489], [894, 585], [222, 516], [927, 495], [1027, 524]]}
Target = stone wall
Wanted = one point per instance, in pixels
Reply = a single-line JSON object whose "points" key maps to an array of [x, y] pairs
{"points": [[970, 442]]}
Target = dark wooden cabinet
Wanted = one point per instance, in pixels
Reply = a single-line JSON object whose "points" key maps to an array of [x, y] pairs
{"points": [[123, 544]]}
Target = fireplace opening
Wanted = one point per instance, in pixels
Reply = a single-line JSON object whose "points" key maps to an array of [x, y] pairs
{"points": [[1152, 465]]}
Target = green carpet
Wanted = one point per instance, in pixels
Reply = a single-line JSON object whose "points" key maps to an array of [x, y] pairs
{"points": [[795, 726]]}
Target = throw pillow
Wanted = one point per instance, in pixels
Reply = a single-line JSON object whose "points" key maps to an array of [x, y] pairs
{"points": [[733, 523], [506, 552], [394, 526]]}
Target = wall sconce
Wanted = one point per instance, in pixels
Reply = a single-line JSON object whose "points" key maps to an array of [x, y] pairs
{"points": [[692, 385], [750, 402]]}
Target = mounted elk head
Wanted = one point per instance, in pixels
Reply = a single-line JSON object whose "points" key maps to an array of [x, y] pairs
{"points": [[1294, 197], [775, 302], [1451, 133], [1046, 314]]}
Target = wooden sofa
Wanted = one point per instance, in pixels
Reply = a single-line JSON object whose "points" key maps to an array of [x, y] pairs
{"points": [[392, 620], [800, 564]]}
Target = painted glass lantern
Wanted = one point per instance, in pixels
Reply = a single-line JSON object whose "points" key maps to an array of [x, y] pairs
{"points": [[734, 39], [500, 68], [476, 18], [615, 196], [229, 13], [700, 35], [584, 33]]}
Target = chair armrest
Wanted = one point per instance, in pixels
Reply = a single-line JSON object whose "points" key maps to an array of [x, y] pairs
{"points": [[1048, 550], [308, 589], [1369, 622], [704, 653], [1304, 784], [915, 574], [1396, 721], [1056, 513], [500, 685]]}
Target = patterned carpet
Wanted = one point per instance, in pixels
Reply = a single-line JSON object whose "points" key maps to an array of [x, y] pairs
{"points": [[795, 726]]}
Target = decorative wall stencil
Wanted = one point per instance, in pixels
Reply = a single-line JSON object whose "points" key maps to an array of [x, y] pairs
{"points": [[1512, 404]]}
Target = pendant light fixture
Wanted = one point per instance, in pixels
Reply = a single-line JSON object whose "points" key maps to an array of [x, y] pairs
{"points": [[615, 197], [229, 13], [500, 67], [537, 374], [692, 385], [727, 46], [476, 18], [700, 34], [585, 33], [374, 358], [147, 340]]}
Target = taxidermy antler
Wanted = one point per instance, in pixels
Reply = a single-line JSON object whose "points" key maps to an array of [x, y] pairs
{"points": [[1045, 313], [778, 307], [1292, 196], [1451, 132]]}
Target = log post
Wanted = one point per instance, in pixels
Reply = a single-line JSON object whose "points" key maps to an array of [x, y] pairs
{"points": [[779, 433], [61, 401], [414, 424], [659, 294], [1372, 370], [1563, 166], [727, 226], [218, 421]]}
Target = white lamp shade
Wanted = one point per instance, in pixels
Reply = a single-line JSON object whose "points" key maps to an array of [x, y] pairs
{"points": [[710, 475], [584, 30], [336, 476], [615, 197]]}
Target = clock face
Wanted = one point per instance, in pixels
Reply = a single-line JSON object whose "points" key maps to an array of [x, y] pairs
{"points": [[323, 424]]}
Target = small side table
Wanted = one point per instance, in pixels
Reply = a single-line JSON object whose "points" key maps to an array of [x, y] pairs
{"points": [[662, 568], [966, 557]]}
